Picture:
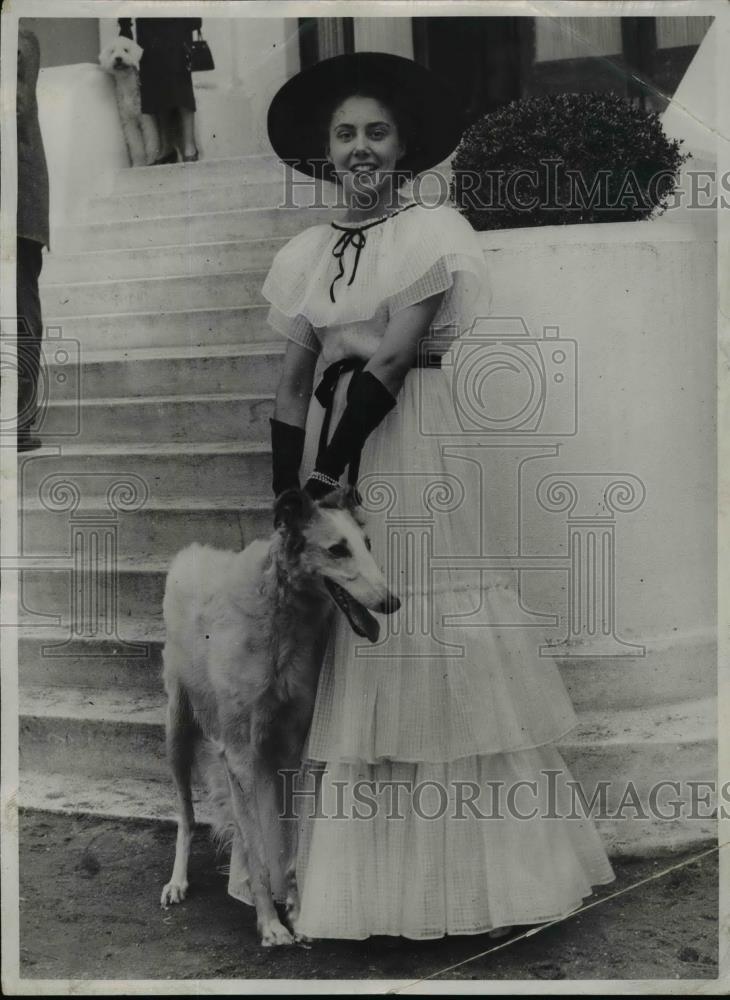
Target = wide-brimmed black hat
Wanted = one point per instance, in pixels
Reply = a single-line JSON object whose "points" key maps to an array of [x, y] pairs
{"points": [[296, 120]]}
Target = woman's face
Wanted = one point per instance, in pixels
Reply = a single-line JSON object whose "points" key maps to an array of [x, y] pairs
{"points": [[364, 145]]}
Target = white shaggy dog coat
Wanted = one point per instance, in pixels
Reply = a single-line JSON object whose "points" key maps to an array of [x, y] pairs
{"points": [[121, 60], [245, 637]]}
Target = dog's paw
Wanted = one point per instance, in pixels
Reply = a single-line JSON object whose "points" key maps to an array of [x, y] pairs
{"points": [[292, 919], [275, 933], [173, 892], [300, 938]]}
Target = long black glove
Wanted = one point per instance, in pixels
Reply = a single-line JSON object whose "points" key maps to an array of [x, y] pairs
{"points": [[287, 448], [368, 401]]}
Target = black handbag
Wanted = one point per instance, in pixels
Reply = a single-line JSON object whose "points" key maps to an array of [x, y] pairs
{"points": [[199, 56]]}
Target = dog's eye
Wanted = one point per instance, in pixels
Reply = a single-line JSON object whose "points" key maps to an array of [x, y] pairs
{"points": [[339, 551]]}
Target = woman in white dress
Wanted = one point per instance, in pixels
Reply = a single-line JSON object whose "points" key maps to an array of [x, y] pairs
{"points": [[445, 711]]}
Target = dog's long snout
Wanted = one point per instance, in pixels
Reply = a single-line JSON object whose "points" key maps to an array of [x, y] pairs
{"points": [[389, 605]]}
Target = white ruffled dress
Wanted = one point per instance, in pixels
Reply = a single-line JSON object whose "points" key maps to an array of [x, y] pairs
{"points": [[439, 704]]}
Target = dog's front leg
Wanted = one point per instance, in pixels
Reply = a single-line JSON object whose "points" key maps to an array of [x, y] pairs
{"points": [[135, 144], [290, 838], [181, 735], [286, 781], [241, 779]]}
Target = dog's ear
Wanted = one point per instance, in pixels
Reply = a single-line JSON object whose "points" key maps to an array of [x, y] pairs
{"points": [[292, 509], [352, 498], [342, 496], [345, 498]]}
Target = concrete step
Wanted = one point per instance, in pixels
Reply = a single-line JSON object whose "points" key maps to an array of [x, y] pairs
{"points": [[126, 798], [278, 190], [190, 419], [93, 733], [204, 173], [203, 227], [50, 657], [135, 588], [90, 662], [635, 749], [612, 743], [246, 174], [194, 328], [151, 371], [218, 474], [119, 734], [281, 188], [131, 798], [135, 295], [150, 533], [192, 259], [660, 677], [232, 171]]}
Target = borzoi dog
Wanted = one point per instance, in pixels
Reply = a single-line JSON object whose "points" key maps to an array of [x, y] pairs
{"points": [[121, 60], [246, 633]]}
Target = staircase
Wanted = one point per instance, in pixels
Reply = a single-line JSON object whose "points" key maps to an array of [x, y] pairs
{"points": [[160, 286], [178, 371]]}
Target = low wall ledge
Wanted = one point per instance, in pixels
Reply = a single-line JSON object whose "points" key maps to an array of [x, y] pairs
{"points": [[596, 233]]}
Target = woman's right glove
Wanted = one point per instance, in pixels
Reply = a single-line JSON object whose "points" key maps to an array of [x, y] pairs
{"points": [[287, 448]]}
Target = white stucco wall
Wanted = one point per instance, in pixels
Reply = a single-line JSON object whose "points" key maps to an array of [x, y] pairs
{"points": [[639, 299], [692, 113], [82, 137]]}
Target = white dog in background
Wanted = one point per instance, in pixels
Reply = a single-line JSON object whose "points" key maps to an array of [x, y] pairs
{"points": [[121, 60]]}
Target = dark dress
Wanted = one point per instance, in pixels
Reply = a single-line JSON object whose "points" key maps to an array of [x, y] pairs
{"points": [[164, 71]]}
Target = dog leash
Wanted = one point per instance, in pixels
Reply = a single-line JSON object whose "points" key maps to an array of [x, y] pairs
{"points": [[325, 394]]}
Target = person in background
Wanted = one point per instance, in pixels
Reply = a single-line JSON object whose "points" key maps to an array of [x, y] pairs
{"points": [[166, 82], [32, 234]]}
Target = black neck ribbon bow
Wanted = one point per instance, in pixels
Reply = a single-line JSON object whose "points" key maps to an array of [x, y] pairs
{"points": [[354, 236]]}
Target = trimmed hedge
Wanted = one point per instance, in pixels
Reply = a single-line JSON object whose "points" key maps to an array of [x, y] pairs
{"points": [[564, 158]]}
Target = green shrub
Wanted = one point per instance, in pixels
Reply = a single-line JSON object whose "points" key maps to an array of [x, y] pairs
{"points": [[564, 158]]}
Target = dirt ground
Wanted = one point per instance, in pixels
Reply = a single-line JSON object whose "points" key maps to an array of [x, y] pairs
{"points": [[90, 909]]}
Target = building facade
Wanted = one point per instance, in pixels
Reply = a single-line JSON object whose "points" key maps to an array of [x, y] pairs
{"points": [[489, 59]]}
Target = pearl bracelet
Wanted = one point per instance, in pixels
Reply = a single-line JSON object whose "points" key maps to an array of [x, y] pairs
{"points": [[323, 477]]}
